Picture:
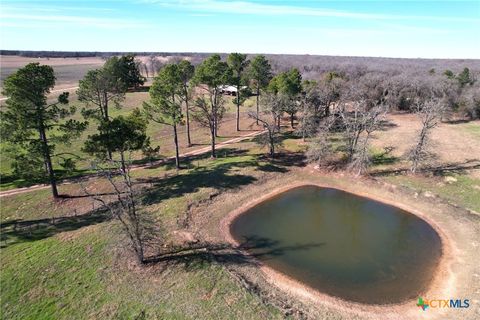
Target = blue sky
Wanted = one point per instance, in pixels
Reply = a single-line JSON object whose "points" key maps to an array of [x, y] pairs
{"points": [[428, 29]]}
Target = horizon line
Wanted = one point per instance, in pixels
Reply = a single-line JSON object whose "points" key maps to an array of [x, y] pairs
{"points": [[214, 52]]}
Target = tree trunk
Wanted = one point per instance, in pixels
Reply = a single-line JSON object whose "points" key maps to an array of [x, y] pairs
{"points": [[106, 119], [258, 96], [212, 131], [272, 145], [418, 150], [122, 160], [238, 117], [238, 108], [48, 160], [175, 139], [215, 115], [189, 142], [291, 119]]}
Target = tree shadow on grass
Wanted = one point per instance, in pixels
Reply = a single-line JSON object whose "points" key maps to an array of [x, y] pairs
{"points": [[385, 125], [249, 252], [18, 231], [270, 167], [441, 170], [385, 157], [218, 175], [457, 121], [11, 180]]}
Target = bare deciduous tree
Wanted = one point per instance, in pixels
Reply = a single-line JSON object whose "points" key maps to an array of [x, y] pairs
{"points": [[370, 120], [208, 113], [310, 106], [320, 148], [430, 112], [123, 204], [272, 106], [270, 138], [356, 116]]}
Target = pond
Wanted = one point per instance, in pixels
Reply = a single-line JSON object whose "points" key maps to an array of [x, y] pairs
{"points": [[342, 244]]}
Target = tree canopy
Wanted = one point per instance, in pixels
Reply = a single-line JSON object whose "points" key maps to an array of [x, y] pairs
{"points": [[121, 134], [288, 83], [166, 105], [213, 72], [32, 125], [238, 63], [260, 71], [126, 70]]}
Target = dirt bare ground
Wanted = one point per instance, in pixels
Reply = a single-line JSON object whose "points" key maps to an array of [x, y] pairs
{"points": [[449, 141], [18, 61]]}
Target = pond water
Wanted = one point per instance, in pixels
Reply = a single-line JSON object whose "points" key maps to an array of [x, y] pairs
{"points": [[341, 244]]}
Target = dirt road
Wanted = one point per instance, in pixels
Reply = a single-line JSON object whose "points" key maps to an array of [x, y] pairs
{"points": [[53, 91], [136, 167]]}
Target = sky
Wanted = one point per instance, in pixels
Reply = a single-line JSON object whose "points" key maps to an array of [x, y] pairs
{"points": [[408, 29]]}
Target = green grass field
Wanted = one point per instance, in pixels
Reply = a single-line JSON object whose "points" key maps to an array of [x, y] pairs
{"points": [[473, 129], [57, 264], [75, 268], [462, 190], [67, 260], [160, 135]]}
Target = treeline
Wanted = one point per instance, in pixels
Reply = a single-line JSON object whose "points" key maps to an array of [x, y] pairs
{"points": [[86, 54]]}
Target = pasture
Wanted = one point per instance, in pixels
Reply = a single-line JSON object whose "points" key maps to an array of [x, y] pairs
{"points": [[70, 259]]}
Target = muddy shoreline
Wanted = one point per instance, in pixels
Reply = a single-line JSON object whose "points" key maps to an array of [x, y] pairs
{"points": [[442, 284]]}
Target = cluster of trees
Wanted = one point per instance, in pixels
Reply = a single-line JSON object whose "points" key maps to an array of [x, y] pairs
{"points": [[181, 92], [352, 104], [344, 106], [359, 108], [33, 126]]}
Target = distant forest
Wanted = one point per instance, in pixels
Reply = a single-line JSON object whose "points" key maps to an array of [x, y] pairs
{"points": [[86, 54], [311, 66]]}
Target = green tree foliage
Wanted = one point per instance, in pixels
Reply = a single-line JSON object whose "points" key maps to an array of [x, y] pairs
{"points": [[449, 74], [288, 84], [32, 125], [209, 106], [101, 87], [187, 70], [97, 89], [127, 70], [238, 63], [465, 78], [213, 72], [260, 73], [121, 134], [166, 105]]}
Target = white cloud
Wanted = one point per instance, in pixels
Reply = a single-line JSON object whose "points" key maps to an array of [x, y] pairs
{"points": [[106, 23], [254, 8]]}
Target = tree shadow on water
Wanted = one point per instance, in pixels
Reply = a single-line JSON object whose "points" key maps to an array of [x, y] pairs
{"points": [[249, 252]]}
